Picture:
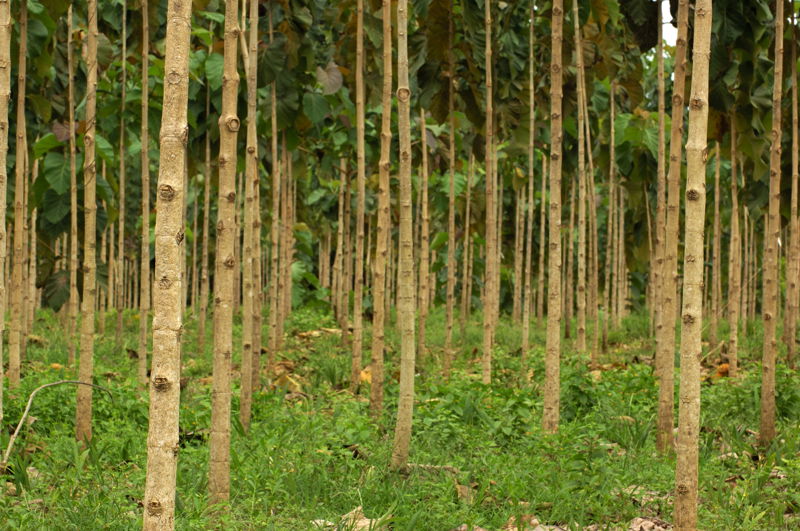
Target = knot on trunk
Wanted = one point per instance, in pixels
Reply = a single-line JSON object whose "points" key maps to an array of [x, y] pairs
{"points": [[166, 192]]}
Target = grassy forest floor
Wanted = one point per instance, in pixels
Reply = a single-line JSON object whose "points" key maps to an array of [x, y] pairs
{"points": [[319, 456]]}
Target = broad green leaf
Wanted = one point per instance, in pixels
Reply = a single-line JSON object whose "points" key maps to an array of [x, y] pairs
{"points": [[55, 169], [45, 144], [214, 67], [315, 107], [104, 149]]}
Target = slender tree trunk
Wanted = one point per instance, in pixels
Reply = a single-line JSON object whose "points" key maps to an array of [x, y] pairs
{"points": [[622, 274], [121, 220], [338, 261], [144, 281], [237, 242], [383, 237], [15, 336], [540, 308], [793, 257], [195, 280], [581, 285], [528, 219], [162, 438], [6, 32], [342, 252], [611, 244], [204, 281], [83, 412], [424, 250], [225, 266], [552, 385], [254, 177], [491, 275], [686, 473], [716, 257], [466, 288], [657, 284], [734, 270], [275, 229], [358, 302], [519, 254], [405, 284], [251, 282], [31, 306], [569, 277], [452, 266], [771, 292], [668, 300]]}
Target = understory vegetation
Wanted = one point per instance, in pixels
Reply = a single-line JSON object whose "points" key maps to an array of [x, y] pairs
{"points": [[314, 453]]}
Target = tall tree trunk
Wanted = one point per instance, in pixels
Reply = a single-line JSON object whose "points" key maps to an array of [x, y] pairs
{"points": [[552, 384], [466, 285], [73, 197], [686, 473], [519, 253], [668, 300], [383, 237], [540, 308], [204, 283], [252, 288], [122, 151], [225, 266], [793, 257], [6, 31], [162, 438], [746, 266], [195, 284], [83, 412], [569, 277], [771, 292], [581, 285], [451, 198], [622, 273], [258, 291], [358, 302], [656, 284], [734, 269], [528, 220], [275, 229], [492, 276], [342, 252], [716, 257], [405, 283], [424, 251], [15, 336], [338, 261], [144, 280]]}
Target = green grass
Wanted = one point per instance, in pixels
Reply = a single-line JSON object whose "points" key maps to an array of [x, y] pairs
{"points": [[294, 466]]}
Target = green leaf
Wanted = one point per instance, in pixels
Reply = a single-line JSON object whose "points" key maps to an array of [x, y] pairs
{"points": [[439, 240], [55, 206], [56, 170], [315, 107], [219, 18], [330, 78], [45, 144], [214, 67], [104, 149], [316, 195]]}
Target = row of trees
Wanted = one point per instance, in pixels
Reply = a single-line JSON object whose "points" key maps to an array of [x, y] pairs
{"points": [[596, 149]]}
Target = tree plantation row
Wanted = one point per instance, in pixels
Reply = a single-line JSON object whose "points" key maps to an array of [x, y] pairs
{"points": [[208, 165]]}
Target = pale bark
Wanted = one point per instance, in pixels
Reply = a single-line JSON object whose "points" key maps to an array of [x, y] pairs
{"points": [[251, 282], [121, 153], [162, 437], [540, 307], [361, 163], [552, 385], [528, 223], [424, 251], [6, 31], [581, 284], [254, 176], [771, 293], [15, 336], [734, 269], [451, 197], [568, 278], [466, 252], [383, 237], [716, 258], [405, 284], [144, 276], [225, 266], [492, 274], [668, 301], [686, 470], [793, 256], [275, 229], [83, 411]]}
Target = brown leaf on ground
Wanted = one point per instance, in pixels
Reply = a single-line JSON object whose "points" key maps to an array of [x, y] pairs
{"points": [[524, 523], [283, 367], [465, 527], [352, 521], [366, 375], [295, 396], [648, 524], [56, 366], [288, 382]]}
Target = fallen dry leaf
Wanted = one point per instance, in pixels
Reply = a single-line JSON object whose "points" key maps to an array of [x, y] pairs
{"points": [[352, 521], [56, 366], [366, 375], [523, 523], [648, 524]]}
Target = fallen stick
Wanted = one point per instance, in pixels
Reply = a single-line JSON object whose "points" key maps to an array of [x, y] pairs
{"points": [[13, 438]]}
